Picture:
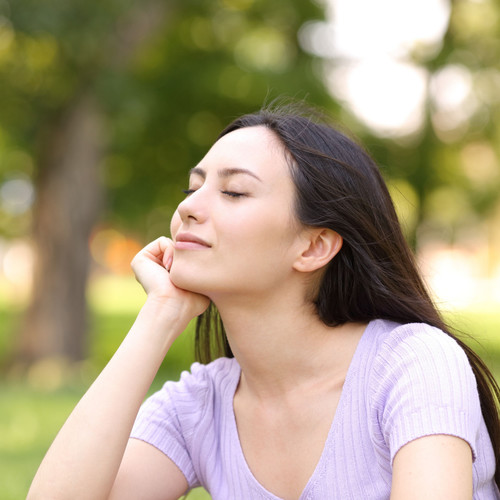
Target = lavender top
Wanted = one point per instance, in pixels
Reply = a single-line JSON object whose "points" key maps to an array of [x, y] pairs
{"points": [[404, 382]]}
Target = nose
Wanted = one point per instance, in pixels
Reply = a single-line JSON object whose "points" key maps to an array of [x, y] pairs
{"points": [[193, 207]]}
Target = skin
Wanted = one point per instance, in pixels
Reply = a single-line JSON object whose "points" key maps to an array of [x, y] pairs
{"points": [[258, 264], [435, 467], [246, 217]]}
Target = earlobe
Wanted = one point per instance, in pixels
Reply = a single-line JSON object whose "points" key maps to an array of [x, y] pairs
{"points": [[323, 245]]}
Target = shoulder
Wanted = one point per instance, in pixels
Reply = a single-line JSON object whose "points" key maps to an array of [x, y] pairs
{"points": [[186, 401], [421, 359], [202, 380], [179, 417], [421, 383], [403, 348]]}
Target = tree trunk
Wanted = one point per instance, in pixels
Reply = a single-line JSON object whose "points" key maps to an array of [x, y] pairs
{"points": [[69, 196], [68, 205]]}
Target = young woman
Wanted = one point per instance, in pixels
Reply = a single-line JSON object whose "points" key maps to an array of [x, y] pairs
{"points": [[334, 376]]}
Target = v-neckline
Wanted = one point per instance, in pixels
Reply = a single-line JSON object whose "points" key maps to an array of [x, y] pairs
{"points": [[234, 435]]}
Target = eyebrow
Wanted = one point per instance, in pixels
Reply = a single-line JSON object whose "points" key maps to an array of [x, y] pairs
{"points": [[225, 172]]}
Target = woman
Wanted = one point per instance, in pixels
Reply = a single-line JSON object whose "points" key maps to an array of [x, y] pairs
{"points": [[334, 376]]}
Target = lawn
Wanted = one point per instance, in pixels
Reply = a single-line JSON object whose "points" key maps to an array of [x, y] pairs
{"points": [[33, 408]]}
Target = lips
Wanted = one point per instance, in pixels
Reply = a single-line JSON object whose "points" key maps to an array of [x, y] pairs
{"points": [[187, 241]]}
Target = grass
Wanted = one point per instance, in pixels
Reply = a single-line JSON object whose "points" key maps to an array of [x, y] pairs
{"points": [[29, 420], [35, 407]]}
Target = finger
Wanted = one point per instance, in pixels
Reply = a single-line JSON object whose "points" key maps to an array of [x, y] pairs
{"points": [[152, 252], [168, 255], [156, 249]]}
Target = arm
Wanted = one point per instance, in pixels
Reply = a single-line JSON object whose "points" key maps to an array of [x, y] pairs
{"points": [[147, 473], [84, 458], [427, 412], [433, 467]]}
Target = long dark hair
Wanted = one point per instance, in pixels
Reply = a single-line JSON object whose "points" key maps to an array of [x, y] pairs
{"points": [[374, 276]]}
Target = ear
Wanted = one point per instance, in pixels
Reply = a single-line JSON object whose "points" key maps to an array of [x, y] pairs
{"points": [[321, 247]]}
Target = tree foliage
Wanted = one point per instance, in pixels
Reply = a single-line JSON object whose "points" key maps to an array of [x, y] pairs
{"points": [[157, 81], [450, 169], [195, 66]]}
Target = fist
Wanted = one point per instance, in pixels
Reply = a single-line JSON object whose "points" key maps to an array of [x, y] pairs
{"points": [[151, 267]]}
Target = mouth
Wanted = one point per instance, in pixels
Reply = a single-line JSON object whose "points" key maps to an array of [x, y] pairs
{"points": [[186, 241]]}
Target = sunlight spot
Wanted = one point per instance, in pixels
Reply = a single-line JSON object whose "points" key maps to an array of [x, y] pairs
{"points": [[487, 85], [386, 94], [17, 195], [113, 250], [371, 49], [363, 28], [480, 164], [17, 266], [452, 275], [447, 205], [454, 101]]}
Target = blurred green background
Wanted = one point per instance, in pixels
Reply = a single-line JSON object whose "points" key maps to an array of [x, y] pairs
{"points": [[105, 105]]}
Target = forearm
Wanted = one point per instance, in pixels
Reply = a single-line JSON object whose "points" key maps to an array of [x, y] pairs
{"points": [[85, 456]]}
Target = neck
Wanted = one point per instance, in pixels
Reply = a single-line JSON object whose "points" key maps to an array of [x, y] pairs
{"points": [[282, 345]]}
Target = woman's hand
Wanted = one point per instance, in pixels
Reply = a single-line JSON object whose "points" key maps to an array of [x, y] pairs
{"points": [[151, 267], [77, 464]]}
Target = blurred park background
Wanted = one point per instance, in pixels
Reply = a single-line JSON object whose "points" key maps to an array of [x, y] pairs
{"points": [[106, 104]]}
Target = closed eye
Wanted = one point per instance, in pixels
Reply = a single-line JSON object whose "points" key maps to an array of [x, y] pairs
{"points": [[233, 194]]}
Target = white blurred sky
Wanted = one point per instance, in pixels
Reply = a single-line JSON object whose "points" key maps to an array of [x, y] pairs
{"points": [[371, 42], [367, 28]]}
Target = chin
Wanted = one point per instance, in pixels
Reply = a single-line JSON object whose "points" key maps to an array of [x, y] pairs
{"points": [[186, 281]]}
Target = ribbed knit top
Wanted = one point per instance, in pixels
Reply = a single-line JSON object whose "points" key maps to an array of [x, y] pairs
{"points": [[404, 382]]}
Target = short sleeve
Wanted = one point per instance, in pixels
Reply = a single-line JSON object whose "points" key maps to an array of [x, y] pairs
{"points": [[168, 419], [423, 385]]}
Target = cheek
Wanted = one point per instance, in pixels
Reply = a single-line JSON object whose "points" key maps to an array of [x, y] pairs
{"points": [[175, 223], [269, 242]]}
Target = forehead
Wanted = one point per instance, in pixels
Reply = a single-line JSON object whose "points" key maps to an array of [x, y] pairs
{"points": [[256, 149]]}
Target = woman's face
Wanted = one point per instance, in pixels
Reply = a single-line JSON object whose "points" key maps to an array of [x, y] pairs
{"points": [[235, 232]]}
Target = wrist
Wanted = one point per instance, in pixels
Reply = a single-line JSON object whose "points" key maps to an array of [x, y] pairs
{"points": [[165, 315]]}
